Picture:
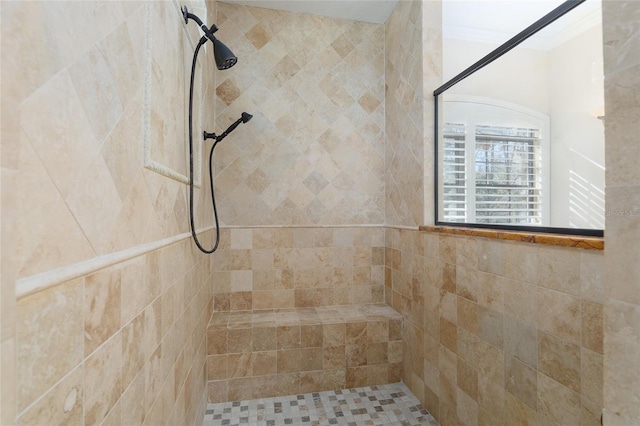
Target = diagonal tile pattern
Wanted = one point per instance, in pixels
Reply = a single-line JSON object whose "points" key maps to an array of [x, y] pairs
{"points": [[314, 152], [404, 161], [82, 129]]}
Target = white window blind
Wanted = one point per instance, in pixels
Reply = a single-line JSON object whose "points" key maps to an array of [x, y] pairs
{"points": [[455, 173], [492, 174]]}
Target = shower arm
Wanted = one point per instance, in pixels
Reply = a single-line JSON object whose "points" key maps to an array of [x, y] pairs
{"points": [[208, 32]]}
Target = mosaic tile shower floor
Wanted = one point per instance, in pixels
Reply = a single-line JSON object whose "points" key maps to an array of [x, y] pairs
{"points": [[391, 404]]}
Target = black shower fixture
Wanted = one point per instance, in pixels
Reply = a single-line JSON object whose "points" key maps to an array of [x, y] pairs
{"points": [[243, 119], [224, 56], [225, 59]]}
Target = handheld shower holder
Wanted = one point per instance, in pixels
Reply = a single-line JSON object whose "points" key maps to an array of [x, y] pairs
{"points": [[208, 135], [243, 119]]}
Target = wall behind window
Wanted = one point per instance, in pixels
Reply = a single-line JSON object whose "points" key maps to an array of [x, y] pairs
{"points": [[564, 83], [576, 98], [519, 77]]}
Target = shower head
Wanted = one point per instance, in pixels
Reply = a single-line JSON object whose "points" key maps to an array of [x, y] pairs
{"points": [[225, 58], [243, 119]]}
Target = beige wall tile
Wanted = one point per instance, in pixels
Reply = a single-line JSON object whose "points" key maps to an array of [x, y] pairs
{"points": [[623, 110], [591, 413], [559, 269], [62, 404], [94, 201], [467, 282], [240, 365], [121, 156], [521, 301], [622, 245], [240, 340], [43, 220], [49, 339], [448, 335], [217, 391], [490, 361], [102, 380], [591, 377], [152, 379], [302, 171], [132, 405], [559, 360], [491, 291], [265, 363], [467, 408], [592, 325], [518, 413], [467, 379], [622, 346], [467, 315], [288, 361], [521, 381], [152, 326], [447, 249], [497, 337], [521, 341], [101, 308], [114, 417], [264, 338], [619, 36], [467, 252], [521, 262], [8, 384], [133, 351], [133, 289], [82, 162], [556, 403], [491, 396], [448, 306], [559, 314], [490, 326], [288, 337], [59, 146], [404, 182], [621, 342], [592, 275], [490, 256], [334, 357]]}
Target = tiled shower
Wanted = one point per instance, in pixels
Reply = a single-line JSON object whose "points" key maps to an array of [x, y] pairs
{"points": [[106, 302]]}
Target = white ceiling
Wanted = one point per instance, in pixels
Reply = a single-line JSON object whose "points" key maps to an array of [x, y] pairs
{"points": [[496, 21], [489, 21]]}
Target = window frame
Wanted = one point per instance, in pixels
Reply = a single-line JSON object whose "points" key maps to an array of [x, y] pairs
{"points": [[546, 20], [474, 111]]}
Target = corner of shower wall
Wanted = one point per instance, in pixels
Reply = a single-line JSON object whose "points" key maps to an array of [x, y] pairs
{"points": [[621, 35], [404, 120]]}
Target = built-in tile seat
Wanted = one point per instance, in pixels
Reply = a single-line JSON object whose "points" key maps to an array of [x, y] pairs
{"points": [[259, 354]]}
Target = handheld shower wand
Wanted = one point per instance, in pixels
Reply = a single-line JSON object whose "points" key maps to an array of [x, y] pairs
{"points": [[243, 119]]}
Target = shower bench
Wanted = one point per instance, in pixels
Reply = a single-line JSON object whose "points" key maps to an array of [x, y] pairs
{"points": [[261, 354]]}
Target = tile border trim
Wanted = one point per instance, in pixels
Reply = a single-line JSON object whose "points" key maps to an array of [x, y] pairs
{"points": [[36, 283], [588, 243]]}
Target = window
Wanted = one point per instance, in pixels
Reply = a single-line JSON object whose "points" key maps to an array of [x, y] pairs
{"points": [[495, 160], [528, 112]]}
